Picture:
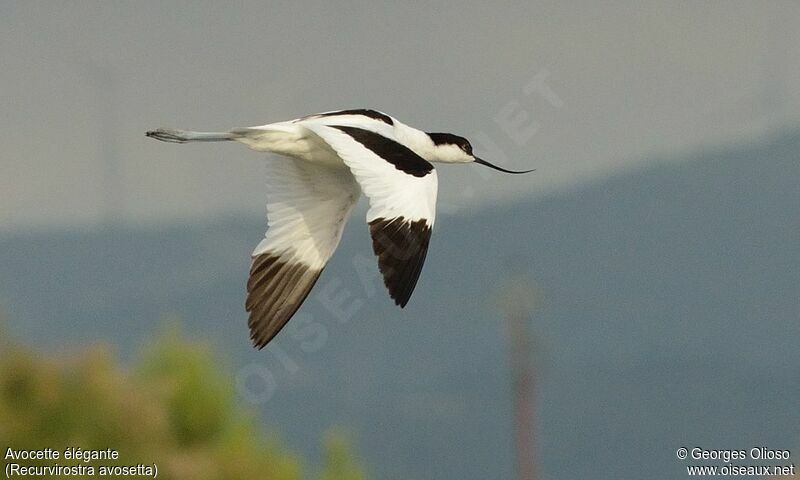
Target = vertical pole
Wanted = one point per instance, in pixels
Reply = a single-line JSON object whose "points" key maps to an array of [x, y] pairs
{"points": [[523, 390], [517, 300]]}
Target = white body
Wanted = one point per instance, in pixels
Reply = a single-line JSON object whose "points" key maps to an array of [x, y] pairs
{"points": [[332, 167], [298, 138], [328, 160]]}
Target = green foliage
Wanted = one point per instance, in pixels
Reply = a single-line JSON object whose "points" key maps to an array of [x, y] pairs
{"points": [[339, 465], [197, 396], [176, 409]]}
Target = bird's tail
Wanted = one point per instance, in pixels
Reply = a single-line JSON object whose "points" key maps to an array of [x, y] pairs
{"points": [[183, 136]]}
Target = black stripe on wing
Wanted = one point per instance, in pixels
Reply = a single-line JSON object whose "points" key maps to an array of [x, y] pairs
{"points": [[373, 114], [402, 157], [401, 246], [275, 290]]}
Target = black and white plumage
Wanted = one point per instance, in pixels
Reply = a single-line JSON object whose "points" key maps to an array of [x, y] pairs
{"points": [[328, 160]]}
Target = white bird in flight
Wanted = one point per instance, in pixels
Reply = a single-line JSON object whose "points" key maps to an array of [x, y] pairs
{"points": [[331, 158]]}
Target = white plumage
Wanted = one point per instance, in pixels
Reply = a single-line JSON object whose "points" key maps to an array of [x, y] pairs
{"points": [[328, 160], [307, 208]]}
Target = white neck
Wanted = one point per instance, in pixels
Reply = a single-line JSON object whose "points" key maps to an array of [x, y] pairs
{"points": [[416, 140]]}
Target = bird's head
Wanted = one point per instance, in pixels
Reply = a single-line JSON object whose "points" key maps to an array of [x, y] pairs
{"points": [[449, 148]]}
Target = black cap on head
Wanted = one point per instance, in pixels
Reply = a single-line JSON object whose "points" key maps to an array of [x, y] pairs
{"points": [[450, 139]]}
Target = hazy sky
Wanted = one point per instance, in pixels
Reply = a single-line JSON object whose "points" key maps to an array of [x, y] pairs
{"points": [[573, 89]]}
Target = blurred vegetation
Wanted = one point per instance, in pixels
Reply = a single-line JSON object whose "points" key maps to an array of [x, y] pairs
{"points": [[175, 408], [338, 461]]}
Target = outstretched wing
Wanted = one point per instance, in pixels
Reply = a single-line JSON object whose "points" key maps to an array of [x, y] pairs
{"points": [[401, 187], [307, 208]]}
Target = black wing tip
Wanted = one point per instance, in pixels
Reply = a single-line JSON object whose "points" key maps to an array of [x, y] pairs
{"points": [[258, 344], [398, 300], [401, 246], [276, 289], [257, 338]]}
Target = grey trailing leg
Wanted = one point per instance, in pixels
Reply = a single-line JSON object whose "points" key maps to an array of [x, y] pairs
{"points": [[183, 136]]}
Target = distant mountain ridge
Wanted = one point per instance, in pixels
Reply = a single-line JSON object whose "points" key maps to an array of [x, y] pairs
{"points": [[669, 316]]}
